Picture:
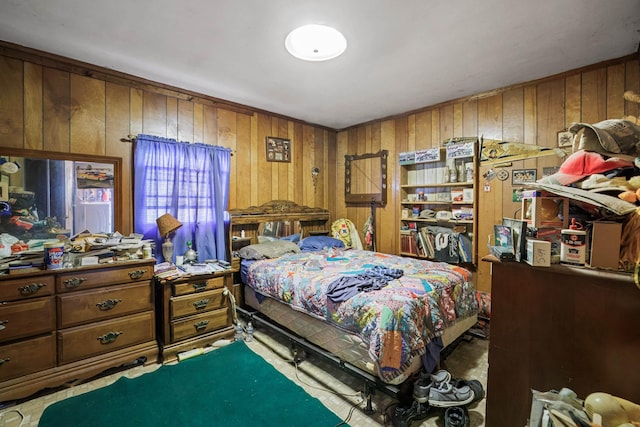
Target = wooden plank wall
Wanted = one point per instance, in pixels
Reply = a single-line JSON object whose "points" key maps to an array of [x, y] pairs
{"points": [[56, 104], [531, 113]]}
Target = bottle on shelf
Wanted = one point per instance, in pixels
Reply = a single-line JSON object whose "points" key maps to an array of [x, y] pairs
{"points": [[249, 336]]}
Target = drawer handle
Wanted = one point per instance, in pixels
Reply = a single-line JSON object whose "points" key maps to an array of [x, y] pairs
{"points": [[199, 305], [108, 304], [201, 325], [199, 287], [136, 274], [2, 323], [31, 288], [109, 337], [74, 282], [4, 360]]}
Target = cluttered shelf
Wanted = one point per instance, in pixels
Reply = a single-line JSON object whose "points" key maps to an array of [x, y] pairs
{"points": [[82, 250]]}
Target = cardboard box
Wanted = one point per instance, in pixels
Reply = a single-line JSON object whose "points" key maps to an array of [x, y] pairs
{"points": [[539, 211], [538, 253], [605, 244]]}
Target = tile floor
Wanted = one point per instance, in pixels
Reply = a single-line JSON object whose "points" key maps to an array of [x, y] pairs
{"points": [[337, 389]]}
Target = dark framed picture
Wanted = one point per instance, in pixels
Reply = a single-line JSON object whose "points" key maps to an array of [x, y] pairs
{"points": [[523, 176], [278, 149], [565, 139]]}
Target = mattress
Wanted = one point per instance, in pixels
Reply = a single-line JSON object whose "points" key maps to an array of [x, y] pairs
{"points": [[384, 330]]}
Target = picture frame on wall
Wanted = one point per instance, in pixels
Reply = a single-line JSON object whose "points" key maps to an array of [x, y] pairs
{"points": [[523, 176], [278, 149], [565, 139]]}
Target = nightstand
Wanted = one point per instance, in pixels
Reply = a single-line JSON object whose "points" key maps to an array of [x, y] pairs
{"points": [[193, 312]]}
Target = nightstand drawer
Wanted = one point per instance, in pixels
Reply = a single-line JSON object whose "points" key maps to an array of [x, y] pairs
{"points": [[26, 318], [99, 338], [88, 279], [77, 308], [200, 324], [26, 357], [196, 285], [187, 305], [16, 289]]}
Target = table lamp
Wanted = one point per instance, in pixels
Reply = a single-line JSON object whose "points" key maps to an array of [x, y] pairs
{"points": [[167, 224]]}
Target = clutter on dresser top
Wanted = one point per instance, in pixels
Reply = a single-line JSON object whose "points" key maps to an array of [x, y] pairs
{"points": [[82, 249]]}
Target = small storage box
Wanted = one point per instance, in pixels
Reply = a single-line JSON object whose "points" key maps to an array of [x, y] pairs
{"points": [[605, 244], [538, 253]]}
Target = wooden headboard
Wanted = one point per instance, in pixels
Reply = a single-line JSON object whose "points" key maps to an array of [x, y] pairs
{"points": [[312, 220]]}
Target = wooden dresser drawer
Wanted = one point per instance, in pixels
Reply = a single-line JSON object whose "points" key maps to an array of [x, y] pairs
{"points": [[26, 287], [198, 286], [22, 319], [26, 357], [76, 308], [199, 324], [102, 337], [87, 279], [187, 305]]}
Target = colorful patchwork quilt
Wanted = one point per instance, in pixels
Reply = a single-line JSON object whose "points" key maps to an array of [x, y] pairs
{"points": [[397, 321]]}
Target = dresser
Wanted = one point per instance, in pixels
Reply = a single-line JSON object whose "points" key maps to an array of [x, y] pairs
{"points": [[193, 312], [559, 326], [69, 324]]}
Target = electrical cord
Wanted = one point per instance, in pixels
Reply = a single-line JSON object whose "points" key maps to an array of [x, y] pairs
{"points": [[295, 364], [232, 300], [20, 415], [351, 411]]}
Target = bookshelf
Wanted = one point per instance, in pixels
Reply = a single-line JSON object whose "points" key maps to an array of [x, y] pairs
{"points": [[438, 207]]}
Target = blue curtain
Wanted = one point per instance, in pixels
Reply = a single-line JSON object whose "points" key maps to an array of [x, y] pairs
{"points": [[189, 181]]}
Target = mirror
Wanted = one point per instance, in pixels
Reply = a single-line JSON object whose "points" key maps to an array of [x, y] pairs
{"points": [[366, 178], [46, 194], [278, 229]]}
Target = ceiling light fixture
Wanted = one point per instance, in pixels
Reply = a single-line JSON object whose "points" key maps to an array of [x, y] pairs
{"points": [[315, 42]]}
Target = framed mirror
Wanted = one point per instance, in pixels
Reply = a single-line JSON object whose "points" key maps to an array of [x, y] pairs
{"points": [[365, 178], [47, 194]]}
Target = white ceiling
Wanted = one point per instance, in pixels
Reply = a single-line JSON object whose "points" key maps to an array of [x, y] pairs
{"points": [[401, 55]]}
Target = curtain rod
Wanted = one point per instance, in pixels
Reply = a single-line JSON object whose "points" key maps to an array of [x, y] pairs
{"points": [[132, 138]]}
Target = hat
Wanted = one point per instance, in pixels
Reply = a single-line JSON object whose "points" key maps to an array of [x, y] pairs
{"points": [[619, 138], [601, 183], [582, 164]]}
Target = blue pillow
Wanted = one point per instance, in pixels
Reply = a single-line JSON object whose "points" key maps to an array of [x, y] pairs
{"points": [[317, 243], [295, 238]]}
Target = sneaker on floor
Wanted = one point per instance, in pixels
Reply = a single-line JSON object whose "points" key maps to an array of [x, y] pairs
{"points": [[422, 387], [456, 416], [449, 395], [403, 417], [474, 385]]}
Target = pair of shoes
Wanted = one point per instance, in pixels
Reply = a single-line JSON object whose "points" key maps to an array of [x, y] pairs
{"points": [[456, 416], [423, 386], [403, 417], [456, 392], [448, 395]]}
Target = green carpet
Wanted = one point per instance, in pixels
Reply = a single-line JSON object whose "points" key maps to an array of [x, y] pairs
{"points": [[230, 386]]}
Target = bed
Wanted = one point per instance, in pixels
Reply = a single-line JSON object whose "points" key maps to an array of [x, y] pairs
{"points": [[390, 331]]}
